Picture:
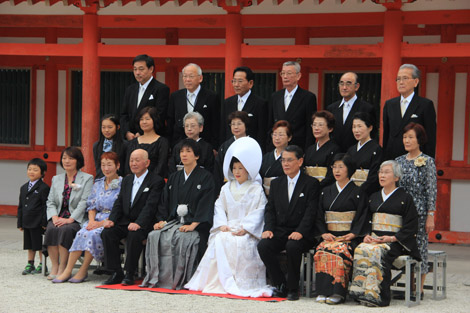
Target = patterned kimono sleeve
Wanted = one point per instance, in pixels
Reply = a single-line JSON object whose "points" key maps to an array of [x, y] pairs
{"points": [[91, 201], [431, 185]]}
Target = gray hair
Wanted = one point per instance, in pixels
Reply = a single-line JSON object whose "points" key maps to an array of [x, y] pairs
{"points": [[198, 68], [294, 64], [196, 115], [416, 72], [397, 171], [354, 74]]}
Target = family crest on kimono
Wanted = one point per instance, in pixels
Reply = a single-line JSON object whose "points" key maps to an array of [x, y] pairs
{"points": [[340, 221], [391, 233], [231, 263], [179, 238]]}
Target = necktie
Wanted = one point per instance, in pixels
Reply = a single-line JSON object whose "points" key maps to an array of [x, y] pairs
{"points": [[135, 188], [30, 186], [190, 103], [290, 189], [141, 94], [287, 100], [403, 107], [107, 145], [345, 111], [240, 104]]}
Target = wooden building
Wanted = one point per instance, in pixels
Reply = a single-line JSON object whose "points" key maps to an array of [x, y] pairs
{"points": [[63, 63]]}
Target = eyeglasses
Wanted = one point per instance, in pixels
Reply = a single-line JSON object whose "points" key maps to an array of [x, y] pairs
{"points": [[191, 126], [289, 160], [236, 124], [403, 79], [278, 135], [318, 125], [385, 172], [287, 73], [189, 76], [238, 81], [347, 84]]}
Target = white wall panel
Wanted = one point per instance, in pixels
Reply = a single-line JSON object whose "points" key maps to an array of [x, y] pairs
{"points": [[459, 200], [432, 88], [458, 143], [13, 177]]}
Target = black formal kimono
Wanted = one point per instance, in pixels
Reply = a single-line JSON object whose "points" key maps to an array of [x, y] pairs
{"points": [[206, 159], [334, 259], [121, 152], [368, 157], [158, 155], [207, 104], [173, 270], [156, 94], [322, 158], [219, 164], [373, 261], [270, 166], [283, 217]]}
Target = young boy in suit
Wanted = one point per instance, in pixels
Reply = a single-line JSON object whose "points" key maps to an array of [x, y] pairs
{"points": [[32, 213]]}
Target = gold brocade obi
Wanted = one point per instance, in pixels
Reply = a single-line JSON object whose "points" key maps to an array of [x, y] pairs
{"points": [[339, 221], [267, 184], [360, 176], [387, 222], [316, 171]]}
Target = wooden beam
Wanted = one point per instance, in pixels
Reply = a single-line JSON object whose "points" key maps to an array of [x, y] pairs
{"points": [[26, 155], [12, 20], [119, 51], [454, 172], [36, 49], [436, 50], [161, 21], [453, 237]]}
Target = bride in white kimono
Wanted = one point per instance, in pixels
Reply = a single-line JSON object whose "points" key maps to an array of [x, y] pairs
{"points": [[231, 263]]}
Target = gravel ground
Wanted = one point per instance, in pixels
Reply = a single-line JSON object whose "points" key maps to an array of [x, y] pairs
{"points": [[33, 293]]}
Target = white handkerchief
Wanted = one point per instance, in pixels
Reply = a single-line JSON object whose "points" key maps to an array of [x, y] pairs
{"points": [[35, 191], [250, 115], [146, 189], [151, 97], [301, 195], [414, 116], [204, 107]]}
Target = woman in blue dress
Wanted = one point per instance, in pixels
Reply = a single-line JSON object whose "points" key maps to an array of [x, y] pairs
{"points": [[99, 205]]}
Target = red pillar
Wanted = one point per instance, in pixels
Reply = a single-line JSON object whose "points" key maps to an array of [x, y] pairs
{"points": [[50, 105], [233, 49], [445, 113], [302, 38], [391, 57], [91, 86], [171, 72]]}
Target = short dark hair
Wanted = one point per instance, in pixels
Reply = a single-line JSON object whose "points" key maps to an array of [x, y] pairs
{"points": [[299, 153], [147, 59], [347, 160], [249, 73], [152, 111], [283, 123], [419, 130], [111, 155], [39, 163], [328, 116], [365, 117], [192, 144], [75, 153], [242, 115], [233, 161]]}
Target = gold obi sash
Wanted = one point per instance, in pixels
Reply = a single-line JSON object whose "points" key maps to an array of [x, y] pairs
{"points": [[267, 184], [339, 221], [360, 176], [316, 171], [387, 222]]}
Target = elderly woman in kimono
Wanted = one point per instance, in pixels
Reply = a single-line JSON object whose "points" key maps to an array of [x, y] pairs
{"points": [[394, 225], [340, 222], [231, 263], [185, 218]]}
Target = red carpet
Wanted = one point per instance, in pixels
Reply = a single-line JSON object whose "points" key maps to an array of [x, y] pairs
{"points": [[188, 292]]}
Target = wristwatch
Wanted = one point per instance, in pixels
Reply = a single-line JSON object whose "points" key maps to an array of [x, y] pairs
{"points": [[431, 213]]}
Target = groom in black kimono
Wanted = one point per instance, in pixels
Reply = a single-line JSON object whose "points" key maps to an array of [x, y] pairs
{"points": [[289, 219]]}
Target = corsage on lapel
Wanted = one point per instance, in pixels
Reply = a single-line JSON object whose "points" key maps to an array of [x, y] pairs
{"points": [[114, 184], [198, 187], [76, 187], [146, 189], [421, 161], [301, 195]]}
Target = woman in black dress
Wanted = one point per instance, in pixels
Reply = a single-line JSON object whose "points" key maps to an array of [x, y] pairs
{"points": [[271, 166], [317, 161], [366, 154]]}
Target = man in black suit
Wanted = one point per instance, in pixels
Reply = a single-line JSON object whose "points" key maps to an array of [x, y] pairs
{"points": [[193, 98], [147, 91], [289, 219], [132, 218], [408, 107], [344, 111], [245, 100], [294, 105]]}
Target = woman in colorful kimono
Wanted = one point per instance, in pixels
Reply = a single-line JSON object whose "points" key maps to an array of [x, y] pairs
{"points": [[231, 263], [340, 222], [392, 233]]}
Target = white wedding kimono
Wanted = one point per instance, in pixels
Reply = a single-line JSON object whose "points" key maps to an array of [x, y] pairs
{"points": [[231, 263]]}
